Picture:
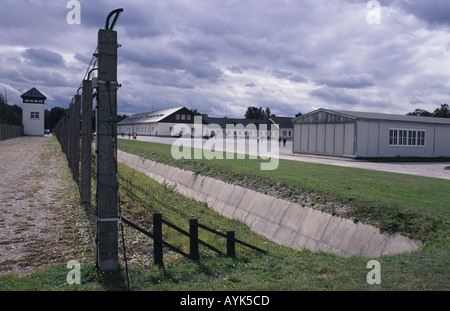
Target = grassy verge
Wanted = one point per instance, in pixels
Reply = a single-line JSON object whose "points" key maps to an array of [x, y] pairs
{"points": [[283, 269], [412, 205]]}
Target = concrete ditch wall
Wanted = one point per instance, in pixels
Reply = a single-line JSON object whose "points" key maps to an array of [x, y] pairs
{"points": [[281, 221]]}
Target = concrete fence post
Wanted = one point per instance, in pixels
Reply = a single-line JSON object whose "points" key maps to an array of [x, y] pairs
{"points": [[106, 153], [76, 139], [65, 136], [69, 137], [86, 141]]}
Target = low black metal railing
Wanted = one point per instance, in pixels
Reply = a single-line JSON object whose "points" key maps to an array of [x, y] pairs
{"points": [[194, 240]]}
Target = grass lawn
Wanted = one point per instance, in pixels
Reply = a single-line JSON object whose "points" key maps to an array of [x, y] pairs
{"points": [[413, 205], [282, 269], [403, 201]]}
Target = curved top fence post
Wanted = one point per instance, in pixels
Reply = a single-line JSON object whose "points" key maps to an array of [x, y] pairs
{"points": [[116, 12]]}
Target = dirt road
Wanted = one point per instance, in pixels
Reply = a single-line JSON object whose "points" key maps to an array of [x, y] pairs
{"points": [[41, 221]]}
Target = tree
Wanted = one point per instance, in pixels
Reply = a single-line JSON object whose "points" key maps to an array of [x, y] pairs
{"points": [[420, 112], [267, 113], [10, 114], [298, 114], [257, 113], [443, 112], [53, 116], [121, 117], [198, 113]]}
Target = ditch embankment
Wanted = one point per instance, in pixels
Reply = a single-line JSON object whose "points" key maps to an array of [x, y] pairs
{"points": [[284, 222]]}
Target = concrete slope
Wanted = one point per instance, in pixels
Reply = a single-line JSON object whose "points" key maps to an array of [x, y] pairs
{"points": [[281, 221]]}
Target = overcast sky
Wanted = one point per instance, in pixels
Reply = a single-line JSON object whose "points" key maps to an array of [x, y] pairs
{"points": [[222, 56]]}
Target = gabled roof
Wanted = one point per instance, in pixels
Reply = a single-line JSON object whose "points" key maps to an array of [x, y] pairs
{"points": [[149, 117], [380, 116], [394, 117], [283, 122], [222, 122], [33, 94]]}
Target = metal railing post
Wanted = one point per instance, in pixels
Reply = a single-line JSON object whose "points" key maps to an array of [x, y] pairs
{"points": [[231, 245], [157, 240], [193, 239]]}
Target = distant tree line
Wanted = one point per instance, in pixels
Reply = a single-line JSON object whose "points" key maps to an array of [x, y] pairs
{"points": [[10, 114], [257, 113], [198, 113], [260, 114], [442, 112], [13, 115]]}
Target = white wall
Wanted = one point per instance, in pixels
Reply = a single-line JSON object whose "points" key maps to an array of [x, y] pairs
{"points": [[442, 141], [33, 127], [287, 130], [373, 140], [164, 129], [153, 129], [330, 139]]}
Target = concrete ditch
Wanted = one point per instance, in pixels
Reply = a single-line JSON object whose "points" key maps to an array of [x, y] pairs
{"points": [[279, 220]]}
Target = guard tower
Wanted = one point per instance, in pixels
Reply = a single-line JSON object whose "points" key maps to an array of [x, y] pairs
{"points": [[33, 112]]}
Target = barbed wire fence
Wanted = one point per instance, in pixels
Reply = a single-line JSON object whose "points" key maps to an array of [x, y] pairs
{"points": [[74, 133]]}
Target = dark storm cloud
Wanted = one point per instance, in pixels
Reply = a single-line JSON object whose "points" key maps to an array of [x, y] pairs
{"points": [[43, 58], [436, 12], [281, 74], [350, 81], [83, 58], [196, 47], [240, 69], [202, 70], [170, 60], [300, 62], [152, 57], [335, 96], [221, 56]]}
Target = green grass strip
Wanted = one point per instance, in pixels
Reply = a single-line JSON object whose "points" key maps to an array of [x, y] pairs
{"points": [[412, 205]]}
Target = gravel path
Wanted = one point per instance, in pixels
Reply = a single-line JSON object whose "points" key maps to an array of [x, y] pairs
{"points": [[41, 221]]}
